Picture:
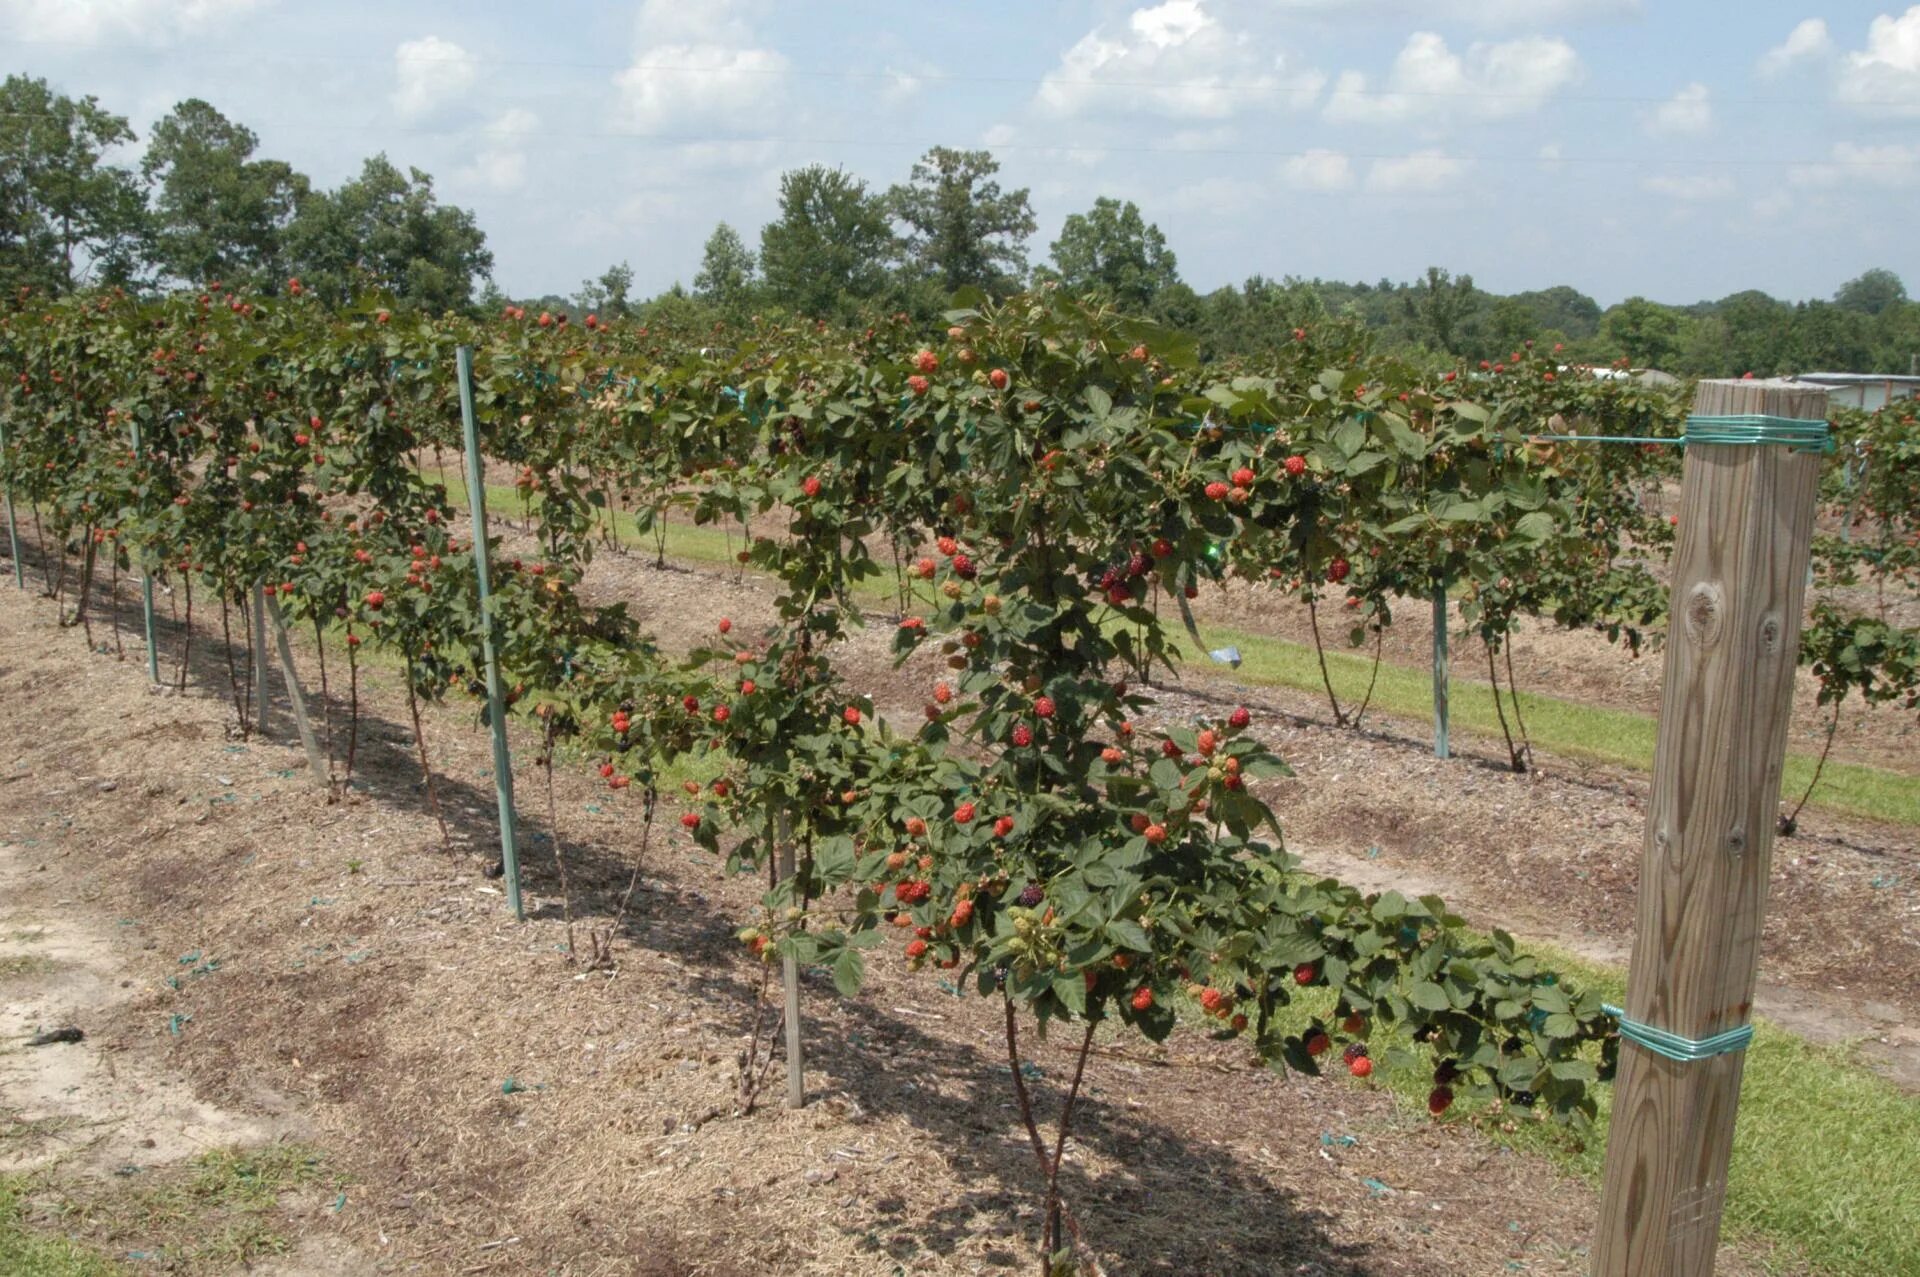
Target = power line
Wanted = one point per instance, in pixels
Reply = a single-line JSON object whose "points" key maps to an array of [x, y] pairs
{"points": [[495, 139]]}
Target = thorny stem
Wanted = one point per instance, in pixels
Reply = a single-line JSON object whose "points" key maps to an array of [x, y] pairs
{"points": [[1379, 639], [553, 832], [326, 702], [1047, 1168], [1513, 691], [233, 673], [1791, 821], [1320, 651], [186, 633], [426, 768], [1499, 707], [353, 709]]}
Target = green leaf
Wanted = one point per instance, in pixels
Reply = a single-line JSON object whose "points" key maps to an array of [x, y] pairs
{"points": [[1429, 996]]}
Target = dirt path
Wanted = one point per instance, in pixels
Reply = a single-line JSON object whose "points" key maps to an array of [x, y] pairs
{"points": [[492, 1109]]}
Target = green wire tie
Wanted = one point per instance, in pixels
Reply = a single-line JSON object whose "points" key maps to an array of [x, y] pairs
{"points": [[1751, 430], [1676, 1047]]}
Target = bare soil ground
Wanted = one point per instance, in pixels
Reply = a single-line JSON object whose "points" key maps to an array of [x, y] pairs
{"points": [[249, 961]]}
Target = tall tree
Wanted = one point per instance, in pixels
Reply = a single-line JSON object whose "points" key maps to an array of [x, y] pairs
{"points": [[64, 215], [727, 266], [610, 295], [962, 229], [1110, 247], [1871, 292], [218, 212], [831, 246], [1646, 332], [386, 230], [1441, 305]]}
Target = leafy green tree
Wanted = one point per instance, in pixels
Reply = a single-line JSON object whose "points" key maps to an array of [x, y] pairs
{"points": [[1111, 248], [386, 230], [1441, 305], [962, 229], [64, 215], [1646, 332], [727, 268], [1871, 292], [829, 250], [610, 295], [1561, 309], [218, 213]]}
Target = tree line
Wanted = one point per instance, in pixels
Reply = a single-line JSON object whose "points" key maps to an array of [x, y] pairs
{"points": [[201, 204]]}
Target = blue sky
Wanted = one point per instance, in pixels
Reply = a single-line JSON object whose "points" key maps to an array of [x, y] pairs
{"points": [[1676, 150]]}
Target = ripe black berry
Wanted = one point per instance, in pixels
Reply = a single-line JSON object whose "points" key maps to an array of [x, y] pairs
{"points": [[1032, 896]]}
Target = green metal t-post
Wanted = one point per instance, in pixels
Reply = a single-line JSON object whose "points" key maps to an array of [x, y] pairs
{"points": [[146, 585], [496, 702], [13, 533], [1441, 748]]}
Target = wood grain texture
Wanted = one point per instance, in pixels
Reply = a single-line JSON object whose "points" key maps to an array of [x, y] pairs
{"points": [[1739, 584]]}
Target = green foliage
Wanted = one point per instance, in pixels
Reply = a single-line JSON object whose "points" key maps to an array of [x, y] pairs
{"points": [[218, 213], [1111, 249], [385, 231], [829, 249], [962, 230], [64, 215]]}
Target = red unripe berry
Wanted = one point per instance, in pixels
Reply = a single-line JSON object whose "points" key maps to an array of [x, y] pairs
{"points": [[852, 715], [691, 820], [1243, 478], [916, 827], [1319, 1044], [998, 378], [1142, 998], [963, 814], [918, 385], [1361, 1067], [721, 713], [1217, 491], [811, 485], [1239, 718], [1304, 973], [926, 361], [376, 600], [725, 625], [1156, 834], [1439, 1100], [916, 948], [1139, 822], [1043, 706]]}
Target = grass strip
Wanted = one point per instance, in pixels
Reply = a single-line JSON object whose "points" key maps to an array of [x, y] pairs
{"points": [[1823, 1146]]}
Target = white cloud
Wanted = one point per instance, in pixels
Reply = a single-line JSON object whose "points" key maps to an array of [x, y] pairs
{"points": [[1851, 164], [1318, 170], [1429, 83], [899, 86], [141, 21], [1501, 14], [1174, 59], [697, 64], [1808, 41], [1551, 157], [1884, 77], [1421, 173], [1690, 188], [430, 73], [1688, 113], [501, 162]]}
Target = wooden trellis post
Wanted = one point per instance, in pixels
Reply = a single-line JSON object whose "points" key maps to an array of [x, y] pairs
{"points": [[1739, 584], [13, 533]]}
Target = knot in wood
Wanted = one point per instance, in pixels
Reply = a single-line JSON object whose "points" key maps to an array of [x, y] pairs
{"points": [[1703, 614], [1770, 633], [1737, 841]]}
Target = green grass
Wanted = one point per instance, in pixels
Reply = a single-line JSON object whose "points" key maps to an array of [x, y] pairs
{"points": [[30, 1252], [20, 966], [1823, 1147], [219, 1213], [1570, 729]]}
